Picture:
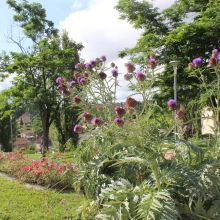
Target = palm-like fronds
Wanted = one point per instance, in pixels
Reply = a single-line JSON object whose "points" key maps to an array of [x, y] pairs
{"points": [[157, 205], [117, 201]]}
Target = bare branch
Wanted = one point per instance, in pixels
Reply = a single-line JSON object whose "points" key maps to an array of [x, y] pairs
{"points": [[18, 42]]}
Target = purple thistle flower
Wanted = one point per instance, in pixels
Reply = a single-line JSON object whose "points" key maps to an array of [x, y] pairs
{"points": [[66, 92], [212, 61], [59, 80], [103, 58], [78, 66], [96, 121], [83, 80], [218, 56], [78, 129], [187, 128], [214, 52], [92, 63], [152, 62], [76, 99], [140, 76], [86, 116], [115, 71], [61, 87], [102, 75], [197, 61], [88, 66], [171, 104], [72, 83], [119, 111], [118, 121]]}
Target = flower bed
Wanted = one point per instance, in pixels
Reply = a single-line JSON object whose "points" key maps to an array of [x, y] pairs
{"points": [[43, 171]]}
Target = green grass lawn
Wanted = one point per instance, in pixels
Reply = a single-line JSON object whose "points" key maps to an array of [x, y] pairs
{"points": [[66, 157], [19, 203], [33, 156]]}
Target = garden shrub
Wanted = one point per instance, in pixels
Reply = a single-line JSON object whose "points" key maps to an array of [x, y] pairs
{"points": [[130, 163], [43, 171]]}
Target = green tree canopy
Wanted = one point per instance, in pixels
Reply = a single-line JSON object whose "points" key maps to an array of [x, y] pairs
{"points": [[181, 32], [7, 122], [52, 54]]}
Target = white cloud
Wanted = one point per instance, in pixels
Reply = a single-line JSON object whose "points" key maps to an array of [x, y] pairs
{"points": [[6, 83], [162, 4], [77, 5], [101, 32]]}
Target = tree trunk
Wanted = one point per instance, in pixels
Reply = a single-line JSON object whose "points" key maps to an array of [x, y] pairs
{"points": [[45, 118], [61, 130]]}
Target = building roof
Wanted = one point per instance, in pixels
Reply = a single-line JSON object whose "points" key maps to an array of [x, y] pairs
{"points": [[28, 133], [21, 142], [25, 118]]}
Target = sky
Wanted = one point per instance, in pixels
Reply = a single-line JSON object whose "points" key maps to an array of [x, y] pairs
{"points": [[94, 23]]}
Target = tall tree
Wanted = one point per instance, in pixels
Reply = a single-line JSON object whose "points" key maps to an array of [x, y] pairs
{"points": [[187, 29], [51, 54], [7, 121]]}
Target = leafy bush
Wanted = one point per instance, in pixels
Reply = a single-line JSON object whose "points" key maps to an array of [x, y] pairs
{"points": [[42, 171], [130, 162]]}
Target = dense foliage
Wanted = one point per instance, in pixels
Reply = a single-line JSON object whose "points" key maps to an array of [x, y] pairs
{"points": [[135, 160], [185, 30], [37, 67], [7, 122], [130, 163], [44, 171]]}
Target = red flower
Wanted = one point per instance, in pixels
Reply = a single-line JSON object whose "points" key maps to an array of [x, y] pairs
{"points": [[43, 159], [35, 163], [29, 168], [60, 169], [52, 166], [38, 173]]}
